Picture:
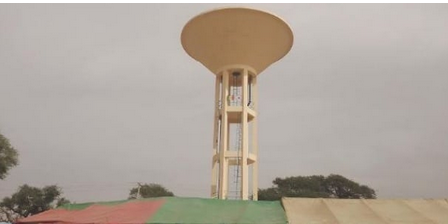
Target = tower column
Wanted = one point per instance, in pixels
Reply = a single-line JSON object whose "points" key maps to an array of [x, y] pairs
{"points": [[224, 138], [245, 138], [254, 145], [217, 124]]}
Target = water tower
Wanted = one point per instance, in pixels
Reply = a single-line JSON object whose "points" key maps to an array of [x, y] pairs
{"points": [[236, 44]]}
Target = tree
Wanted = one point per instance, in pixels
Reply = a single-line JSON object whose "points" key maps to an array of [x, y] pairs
{"points": [[8, 157], [149, 191], [340, 187], [316, 186], [62, 201], [30, 201]]}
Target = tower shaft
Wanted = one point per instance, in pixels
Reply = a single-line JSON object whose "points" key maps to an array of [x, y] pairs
{"points": [[235, 147]]}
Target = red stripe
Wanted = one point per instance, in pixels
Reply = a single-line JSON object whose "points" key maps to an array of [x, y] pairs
{"points": [[134, 212]]}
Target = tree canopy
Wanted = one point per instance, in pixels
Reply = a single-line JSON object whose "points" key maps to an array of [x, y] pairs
{"points": [[316, 186], [149, 191], [30, 200], [8, 157]]}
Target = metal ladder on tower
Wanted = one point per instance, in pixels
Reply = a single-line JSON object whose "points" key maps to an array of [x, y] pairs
{"points": [[237, 175], [238, 148]]}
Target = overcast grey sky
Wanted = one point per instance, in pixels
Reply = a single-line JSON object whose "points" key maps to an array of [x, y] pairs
{"points": [[98, 97]]}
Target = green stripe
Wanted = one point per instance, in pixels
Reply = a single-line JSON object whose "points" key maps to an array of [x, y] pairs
{"points": [[195, 211]]}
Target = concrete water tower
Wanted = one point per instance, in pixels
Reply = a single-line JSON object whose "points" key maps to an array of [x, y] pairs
{"points": [[236, 44]]}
